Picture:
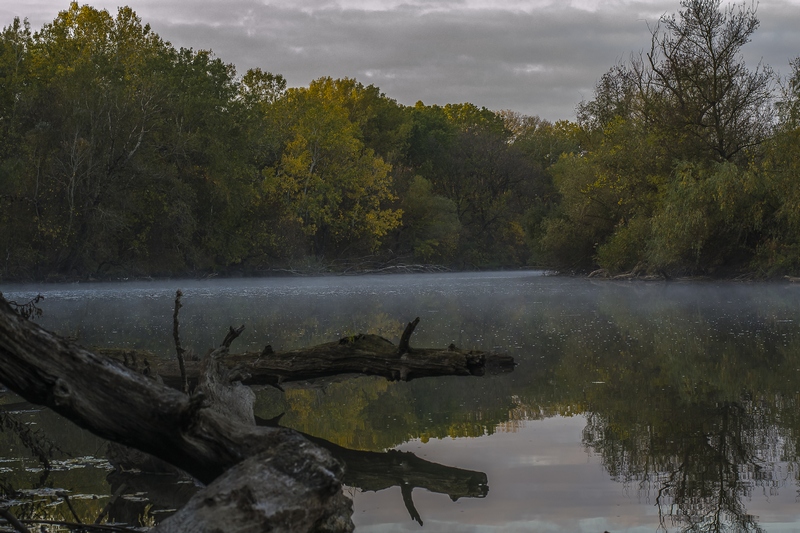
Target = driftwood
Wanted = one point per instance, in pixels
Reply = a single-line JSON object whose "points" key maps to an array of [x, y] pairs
{"points": [[261, 478], [366, 354], [116, 403], [260, 494]]}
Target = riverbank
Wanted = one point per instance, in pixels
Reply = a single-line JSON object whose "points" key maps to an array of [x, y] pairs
{"points": [[309, 270]]}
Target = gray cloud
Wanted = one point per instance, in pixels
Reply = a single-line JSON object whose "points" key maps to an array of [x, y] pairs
{"points": [[539, 57]]}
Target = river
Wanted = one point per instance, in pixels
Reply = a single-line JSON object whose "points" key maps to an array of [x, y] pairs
{"points": [[636, 407]]}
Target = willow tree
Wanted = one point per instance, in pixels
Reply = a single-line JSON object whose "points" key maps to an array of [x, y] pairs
{"points": [[672, 135]]}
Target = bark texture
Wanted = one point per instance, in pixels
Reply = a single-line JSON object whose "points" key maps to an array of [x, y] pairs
{"points": [[259, 495]]}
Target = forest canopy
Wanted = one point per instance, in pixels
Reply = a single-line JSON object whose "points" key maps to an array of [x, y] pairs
{"points": [[121, 155]]}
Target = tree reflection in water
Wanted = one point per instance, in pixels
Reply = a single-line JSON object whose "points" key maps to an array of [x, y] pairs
{"points": [[689, 390], [700, 469], [691, 432]]}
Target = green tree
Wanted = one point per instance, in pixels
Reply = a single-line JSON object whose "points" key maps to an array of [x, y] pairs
{"points": [[694, 83], [430, 223], [778, 252], [89, 104], [469, 157], [122, 154], [789, 103], [668, 178], [15, 42], [381, 123]]}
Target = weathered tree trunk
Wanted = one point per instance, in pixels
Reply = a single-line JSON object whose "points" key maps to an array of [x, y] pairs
{"points": [[260, 494], [120, 405]]}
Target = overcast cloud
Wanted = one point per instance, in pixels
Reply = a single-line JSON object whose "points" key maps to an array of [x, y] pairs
{"points": [[538, 57]]}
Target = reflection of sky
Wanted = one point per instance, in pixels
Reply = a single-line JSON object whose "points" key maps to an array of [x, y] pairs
{"points": [[541, 479]]}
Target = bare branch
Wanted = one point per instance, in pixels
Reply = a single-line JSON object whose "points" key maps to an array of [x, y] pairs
{"points": [[403, 347], [178, 348]]}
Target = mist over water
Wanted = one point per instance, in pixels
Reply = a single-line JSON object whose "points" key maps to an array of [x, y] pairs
{"points": [[497, 306], [117, 313], [635, 406]]}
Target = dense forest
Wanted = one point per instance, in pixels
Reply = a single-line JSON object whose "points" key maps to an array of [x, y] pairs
{"points": [[122, 156]]}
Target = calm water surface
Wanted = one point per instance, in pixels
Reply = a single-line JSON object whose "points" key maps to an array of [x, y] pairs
{"points": [[636, 407]]}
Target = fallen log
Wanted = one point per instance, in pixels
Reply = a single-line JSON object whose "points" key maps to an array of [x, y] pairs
{"points": [[366, 354], [258, 495], [121, 405], [270, 478]]}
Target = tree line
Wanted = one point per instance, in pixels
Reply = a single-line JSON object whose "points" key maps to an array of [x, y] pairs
{"points": [[688, 161], [121, 155]]}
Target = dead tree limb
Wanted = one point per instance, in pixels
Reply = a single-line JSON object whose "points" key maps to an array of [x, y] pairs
{"points": [[178, 348], [368, 354], [222, 389], [118, 404], [13, 521], [231, 336], [403, 347]]}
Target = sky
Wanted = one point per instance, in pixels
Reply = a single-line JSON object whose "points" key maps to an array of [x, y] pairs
{"points": [[537, 57]]}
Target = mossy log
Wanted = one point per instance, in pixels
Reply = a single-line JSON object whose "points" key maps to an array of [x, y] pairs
{"points": [[367, 354]]}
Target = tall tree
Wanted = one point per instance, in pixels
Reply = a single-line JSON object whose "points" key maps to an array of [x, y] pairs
{"points": [[694, 83], [333, 187], [91, 101], [665, 181], [469, 157], [15, 209]]}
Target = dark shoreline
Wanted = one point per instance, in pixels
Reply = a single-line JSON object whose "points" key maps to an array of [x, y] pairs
{"points": [[276, 273]]}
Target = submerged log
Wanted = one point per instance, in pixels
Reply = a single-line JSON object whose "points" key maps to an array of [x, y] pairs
{"points": [[366, 354], [121, 405]]}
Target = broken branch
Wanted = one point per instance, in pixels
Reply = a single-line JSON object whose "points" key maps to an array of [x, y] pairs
{"points": [[231, 336], [178, 348], [403, 347]]}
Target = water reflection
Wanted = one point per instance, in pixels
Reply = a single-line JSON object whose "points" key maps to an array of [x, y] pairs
{"points": [[377, 471], [687, 393]]}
